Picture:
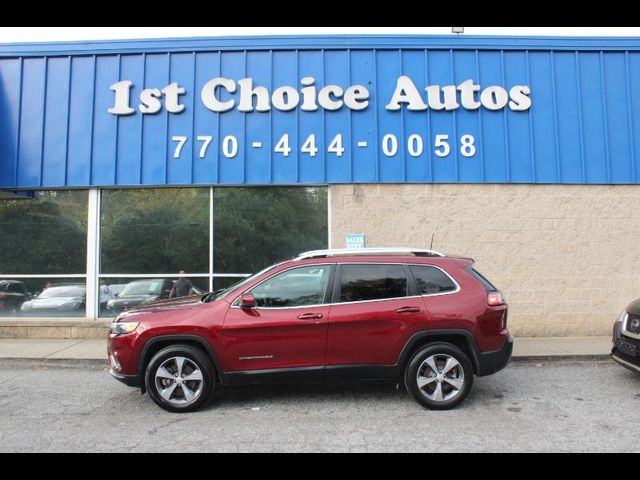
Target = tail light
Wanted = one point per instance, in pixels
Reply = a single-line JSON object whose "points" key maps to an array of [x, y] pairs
{"points": [[495, 299]]}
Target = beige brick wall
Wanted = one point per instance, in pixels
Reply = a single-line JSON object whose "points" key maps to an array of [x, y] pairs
{"points": [[567, 257]]}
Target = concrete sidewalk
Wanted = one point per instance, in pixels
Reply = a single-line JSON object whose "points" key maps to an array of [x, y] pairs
{"points": [[95, 350]]}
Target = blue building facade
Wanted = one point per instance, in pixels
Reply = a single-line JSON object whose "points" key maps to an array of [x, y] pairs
{"points": [[521, 152], [320, 110]]}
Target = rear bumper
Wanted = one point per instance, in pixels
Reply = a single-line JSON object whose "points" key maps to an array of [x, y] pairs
{"points": [[128, 380], [492, 362]]}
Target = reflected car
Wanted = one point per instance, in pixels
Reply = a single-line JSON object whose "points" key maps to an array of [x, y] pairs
{"points": [[57, 300], [140, 292], [13, 294], [626, 338], [116, 289]]}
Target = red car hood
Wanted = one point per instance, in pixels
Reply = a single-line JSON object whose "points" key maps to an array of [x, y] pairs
{"points": [[182, 303]]}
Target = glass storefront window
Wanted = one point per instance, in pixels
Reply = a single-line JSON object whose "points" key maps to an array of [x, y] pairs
{"points": [[46, 234], [148, 235], [155, 231], [255, 227]]}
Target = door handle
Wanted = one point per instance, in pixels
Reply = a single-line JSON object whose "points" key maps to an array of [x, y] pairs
{"points": [[310, 316], [408, 310]]}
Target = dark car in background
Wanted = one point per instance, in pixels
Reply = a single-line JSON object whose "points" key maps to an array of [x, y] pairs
{"points": [[140, 292], [58, 300], [626, 338], [13, 294]]}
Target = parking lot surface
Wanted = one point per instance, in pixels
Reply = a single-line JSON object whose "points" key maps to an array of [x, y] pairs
{"points": [[529, 407]]}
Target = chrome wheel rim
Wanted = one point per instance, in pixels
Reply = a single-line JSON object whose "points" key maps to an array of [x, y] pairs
{"points": [[179, 381], [440, 378]]}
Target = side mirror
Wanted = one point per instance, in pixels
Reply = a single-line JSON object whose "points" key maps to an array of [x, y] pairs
{"points": [[247, 302]]}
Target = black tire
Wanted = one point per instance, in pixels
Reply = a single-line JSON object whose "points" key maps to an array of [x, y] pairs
{"points": [[417, 362], [195, 357]]}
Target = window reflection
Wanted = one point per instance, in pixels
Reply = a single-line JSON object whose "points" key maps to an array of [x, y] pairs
{"points": [[255, 227], [119, 295], [42, 297], [44, 235], [155, 230]]}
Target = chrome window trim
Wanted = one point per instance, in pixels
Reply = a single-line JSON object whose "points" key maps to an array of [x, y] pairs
{"points": [[625, 331], [458, 288]]}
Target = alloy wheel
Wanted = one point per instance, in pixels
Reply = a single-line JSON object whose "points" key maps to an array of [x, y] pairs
{"points": [[440, 378], [179, 381]]}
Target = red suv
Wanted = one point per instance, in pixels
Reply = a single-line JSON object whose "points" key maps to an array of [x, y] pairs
{"points": [[384, 314]]}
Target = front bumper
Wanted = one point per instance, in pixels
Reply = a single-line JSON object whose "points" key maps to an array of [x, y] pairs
{"points": [[626, 350], [128, 380], [492, 362], [626, 362]]}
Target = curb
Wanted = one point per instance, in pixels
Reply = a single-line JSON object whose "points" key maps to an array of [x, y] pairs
{"points": [[562, 358], [57, 362]]}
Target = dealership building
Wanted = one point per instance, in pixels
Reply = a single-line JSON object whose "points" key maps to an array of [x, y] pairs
{"points": [[125, 161]]}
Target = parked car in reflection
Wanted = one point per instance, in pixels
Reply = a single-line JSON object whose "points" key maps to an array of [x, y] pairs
{"points": [[140, 292], [116, 289], [58, 300], [13, 293]]}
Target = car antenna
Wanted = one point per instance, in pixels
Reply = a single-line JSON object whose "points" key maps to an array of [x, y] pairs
{"points": [[433, 235]]}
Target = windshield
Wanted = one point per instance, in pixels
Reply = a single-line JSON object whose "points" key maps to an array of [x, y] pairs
{"points": [[243, 282], [145, 287], [60, 292]]}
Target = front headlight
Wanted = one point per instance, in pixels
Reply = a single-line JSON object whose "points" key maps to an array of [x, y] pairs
{"points": [[122, 328]]}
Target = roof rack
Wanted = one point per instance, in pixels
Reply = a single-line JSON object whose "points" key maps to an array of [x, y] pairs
{"points": [[347, 252]]}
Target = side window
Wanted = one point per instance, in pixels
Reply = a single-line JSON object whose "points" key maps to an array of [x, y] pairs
{"points": [[15, 288], [298, 287], [432, 281], [372, 282]]}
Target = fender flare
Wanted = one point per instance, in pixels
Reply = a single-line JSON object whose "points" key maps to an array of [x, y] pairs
{"points": [[431, 335], [177, 339]]}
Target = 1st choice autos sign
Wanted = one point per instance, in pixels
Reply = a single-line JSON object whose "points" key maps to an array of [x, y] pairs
{"points": [[220, 95]]}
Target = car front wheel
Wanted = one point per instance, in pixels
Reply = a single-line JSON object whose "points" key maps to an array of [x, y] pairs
{"points": [[439, 376], [180, 378]]}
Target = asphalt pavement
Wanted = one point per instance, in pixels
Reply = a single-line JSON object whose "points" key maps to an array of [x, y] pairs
{"points": [[572, 406]]}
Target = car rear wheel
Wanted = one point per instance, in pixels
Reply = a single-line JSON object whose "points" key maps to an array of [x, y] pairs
{"points": [[439, 377], [180, 378]]}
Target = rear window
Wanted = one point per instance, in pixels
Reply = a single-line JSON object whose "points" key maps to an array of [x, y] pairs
{"points": [[372, 282], [489, 287], [432, 281]]}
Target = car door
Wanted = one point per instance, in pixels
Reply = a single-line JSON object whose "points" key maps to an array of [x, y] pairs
{"points": [[287, 329], [375, 310]]}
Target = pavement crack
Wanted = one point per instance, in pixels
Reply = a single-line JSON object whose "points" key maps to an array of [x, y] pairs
{"points": [[63, 349], [154, 430]]}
